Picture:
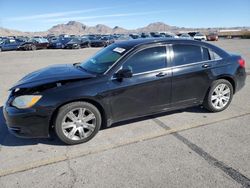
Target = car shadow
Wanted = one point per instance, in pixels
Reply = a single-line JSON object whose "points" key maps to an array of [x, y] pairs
{"points": [[7, 139]]}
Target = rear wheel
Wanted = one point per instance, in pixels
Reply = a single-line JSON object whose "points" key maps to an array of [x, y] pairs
{"points": [[219, 96], [33, 47], [77, 122]]}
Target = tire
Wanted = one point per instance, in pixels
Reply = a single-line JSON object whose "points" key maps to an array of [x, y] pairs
{"points": [[219, 96], [79, 131], [0, 49], [33, 47]]}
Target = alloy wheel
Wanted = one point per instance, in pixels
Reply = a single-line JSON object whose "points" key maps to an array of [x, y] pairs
{"points": [[79, 124], [220, 96]]}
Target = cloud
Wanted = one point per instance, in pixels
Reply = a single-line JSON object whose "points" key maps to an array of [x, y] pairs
{"points": [[54, 15], [85, 18]]}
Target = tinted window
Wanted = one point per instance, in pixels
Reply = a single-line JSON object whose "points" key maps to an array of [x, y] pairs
{"points": [[184, 54], [214, 55], [147, 60], [206, 55]]}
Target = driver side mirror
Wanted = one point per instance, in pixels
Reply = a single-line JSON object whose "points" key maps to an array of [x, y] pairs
{"points": [[123, 73]]}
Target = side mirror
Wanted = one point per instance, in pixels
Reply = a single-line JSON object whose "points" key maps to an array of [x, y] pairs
{"points": [[123, 73]]}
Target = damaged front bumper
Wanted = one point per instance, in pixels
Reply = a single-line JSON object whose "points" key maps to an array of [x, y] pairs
{"points": [[27, 123], [32, 122]]}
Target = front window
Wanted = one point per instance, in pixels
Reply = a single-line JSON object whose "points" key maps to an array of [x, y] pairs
{"points": [[103, 60], [147, 60]]}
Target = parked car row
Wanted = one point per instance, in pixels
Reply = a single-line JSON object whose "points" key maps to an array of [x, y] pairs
{"points": [[20, 43], [55, 42], [76, 42], [199, 36]]}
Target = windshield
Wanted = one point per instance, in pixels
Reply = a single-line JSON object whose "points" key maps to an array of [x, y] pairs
{"points": [[103, 60], [199, 34], [74, 40]]}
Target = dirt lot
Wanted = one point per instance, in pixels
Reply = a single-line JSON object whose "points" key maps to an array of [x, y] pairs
{"points": [[185, 148]]}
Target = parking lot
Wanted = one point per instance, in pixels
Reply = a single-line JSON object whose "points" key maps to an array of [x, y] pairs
{"points": [[184, 148]]}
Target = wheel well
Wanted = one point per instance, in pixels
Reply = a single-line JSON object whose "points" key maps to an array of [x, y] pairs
{"points": [[225, 78], [230, 80], [96, 104]]}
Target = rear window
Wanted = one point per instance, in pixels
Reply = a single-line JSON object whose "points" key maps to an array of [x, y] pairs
{"points": [[185, 54]]}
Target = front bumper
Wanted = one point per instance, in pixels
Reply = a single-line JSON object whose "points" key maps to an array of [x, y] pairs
{"points": [[72, 46], [27, 123], [97, 44]]}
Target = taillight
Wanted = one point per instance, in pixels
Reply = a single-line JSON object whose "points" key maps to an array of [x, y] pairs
{"points": [[242, 63]]}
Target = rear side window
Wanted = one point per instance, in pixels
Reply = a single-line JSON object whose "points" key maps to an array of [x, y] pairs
{"points": [[147, 60], [214, 55], [185, 54]]}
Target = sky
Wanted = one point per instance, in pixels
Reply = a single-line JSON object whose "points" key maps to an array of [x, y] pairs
{"points": [[40, 15]]}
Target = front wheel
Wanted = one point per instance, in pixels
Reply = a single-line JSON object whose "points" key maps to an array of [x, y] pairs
{"points": [[219, 96], [77, 122]]}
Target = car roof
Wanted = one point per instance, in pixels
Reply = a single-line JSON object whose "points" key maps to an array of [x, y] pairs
{"points": [[137, 43], [148, 41]]}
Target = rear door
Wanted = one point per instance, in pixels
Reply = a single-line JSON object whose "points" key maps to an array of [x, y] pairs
{"points": [[191, 74], [13, 44]]}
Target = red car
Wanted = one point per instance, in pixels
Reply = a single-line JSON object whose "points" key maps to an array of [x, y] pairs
{"points": [[212, 37]]}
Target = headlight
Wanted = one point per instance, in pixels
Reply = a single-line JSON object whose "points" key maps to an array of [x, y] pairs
{"points": [[26, 101]]}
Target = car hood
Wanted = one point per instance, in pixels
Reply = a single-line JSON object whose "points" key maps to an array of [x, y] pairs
{"points": [[25, 43], [52, 74]]}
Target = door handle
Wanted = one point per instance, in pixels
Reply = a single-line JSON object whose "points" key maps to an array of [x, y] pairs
{"points": [[161, 74], [206, 65]]}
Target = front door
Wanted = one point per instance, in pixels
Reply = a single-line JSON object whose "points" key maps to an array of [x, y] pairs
{"points": [[148, 90]]}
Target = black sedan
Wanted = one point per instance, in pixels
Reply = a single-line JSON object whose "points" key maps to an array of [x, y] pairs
{"points": [[96, 42], [123, 81], [59, 42], [77, 43], [34, 44]]}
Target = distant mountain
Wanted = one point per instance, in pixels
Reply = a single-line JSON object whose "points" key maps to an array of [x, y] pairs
{"points": [[77, 28], [118, 29], [8, 32], [157, 26], [71, 27]]}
